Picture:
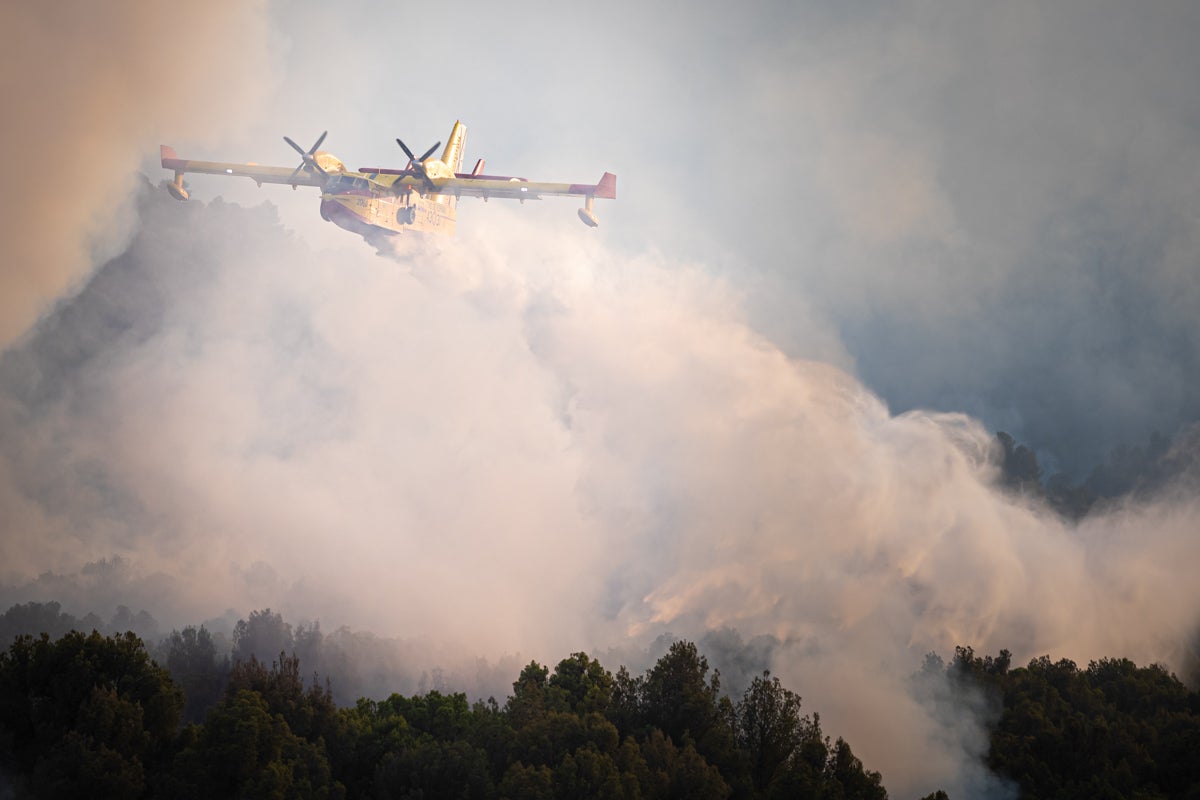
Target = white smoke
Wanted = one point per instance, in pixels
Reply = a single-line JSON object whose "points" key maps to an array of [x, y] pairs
{"points": [[521, 441]]}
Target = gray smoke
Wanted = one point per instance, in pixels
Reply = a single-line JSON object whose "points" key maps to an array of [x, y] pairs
{"points": [[87, 90]]}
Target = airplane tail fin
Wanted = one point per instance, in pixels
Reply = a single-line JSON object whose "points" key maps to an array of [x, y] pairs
{"points": [[452, 156]]}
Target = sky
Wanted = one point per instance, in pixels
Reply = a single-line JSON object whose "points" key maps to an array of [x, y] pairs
{"points": [[851, 242]]}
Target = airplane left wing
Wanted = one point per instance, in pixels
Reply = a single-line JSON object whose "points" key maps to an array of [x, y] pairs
{"points": [[521, 189], [487, 186]]}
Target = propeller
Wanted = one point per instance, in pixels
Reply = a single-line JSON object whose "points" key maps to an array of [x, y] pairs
{"points": [[307, 158], [417, 165]]}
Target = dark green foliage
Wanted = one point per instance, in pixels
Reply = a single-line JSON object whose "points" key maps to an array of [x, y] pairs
{"points": [[770, 728], [309, 713], [245, 750], [1111, 730], [587, 685], [261, 636], [93, 716], [679, 698], [34, 619], [194, 667], [86, 714]]}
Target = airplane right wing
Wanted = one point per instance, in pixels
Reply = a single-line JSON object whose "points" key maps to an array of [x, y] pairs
{"points": [[290, 176]]}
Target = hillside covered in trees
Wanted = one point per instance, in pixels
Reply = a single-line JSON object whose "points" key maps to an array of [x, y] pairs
{"points": [[1128, 472], [1110, 730], [96, 715]]}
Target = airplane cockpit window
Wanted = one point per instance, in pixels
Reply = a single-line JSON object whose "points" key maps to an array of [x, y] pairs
{"points": [[347, 183]]}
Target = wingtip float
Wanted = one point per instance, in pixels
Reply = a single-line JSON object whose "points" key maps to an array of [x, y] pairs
{"points": [[421, 197]]}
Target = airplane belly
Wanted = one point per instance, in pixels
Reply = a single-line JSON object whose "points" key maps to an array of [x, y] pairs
{"points": [[364, 214], [418, 215], [348, 214]]}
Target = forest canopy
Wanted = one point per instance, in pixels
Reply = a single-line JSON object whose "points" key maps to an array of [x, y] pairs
{"points": [[97, 714], [88, 714]]}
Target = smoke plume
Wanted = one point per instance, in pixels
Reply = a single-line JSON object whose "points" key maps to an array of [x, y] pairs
{"points": [[519, 441], [87, 90]]}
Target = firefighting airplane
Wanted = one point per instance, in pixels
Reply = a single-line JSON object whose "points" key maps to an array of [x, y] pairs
{"points": [[421, 197]]}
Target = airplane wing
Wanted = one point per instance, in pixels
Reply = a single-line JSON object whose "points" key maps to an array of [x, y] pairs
{"points": [[260, 174], [486, 186]]}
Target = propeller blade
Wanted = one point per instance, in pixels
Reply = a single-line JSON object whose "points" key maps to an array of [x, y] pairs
{"points": [[295, 146], [429, 152], [307, 159], [407, 152]]}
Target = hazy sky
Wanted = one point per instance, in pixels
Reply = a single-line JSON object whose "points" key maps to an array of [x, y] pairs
{"points": [[851, 242], [993, 207]]}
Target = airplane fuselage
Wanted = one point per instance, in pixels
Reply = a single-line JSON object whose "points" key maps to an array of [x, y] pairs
{"points": [[358, 205]]}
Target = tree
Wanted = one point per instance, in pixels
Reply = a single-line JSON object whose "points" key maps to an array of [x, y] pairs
{"points": [[34, 619], [1111, 730], [770, 728], [243, 750], [854, 782], [679, 772], [194, 667], [527, 783], [429, 767], [587, 684], [678, 698], [86, 712], [261, 635], [528, 700], [310, 712], [625, 706]]}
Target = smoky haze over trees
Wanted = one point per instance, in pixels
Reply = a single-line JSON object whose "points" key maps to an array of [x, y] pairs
{"points": [[89, 714], [94, 715]]}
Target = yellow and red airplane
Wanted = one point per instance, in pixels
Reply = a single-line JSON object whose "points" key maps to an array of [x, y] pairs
{"points": [[421, 197]]}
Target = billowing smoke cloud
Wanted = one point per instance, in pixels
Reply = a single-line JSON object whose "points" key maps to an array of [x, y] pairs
{"points": [[87, 89], [518, 441]]}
